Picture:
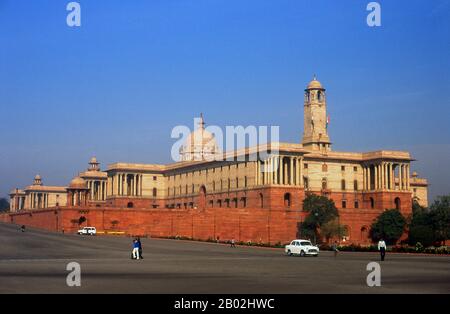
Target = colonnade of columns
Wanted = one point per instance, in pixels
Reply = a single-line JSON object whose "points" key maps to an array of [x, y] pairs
{"points": [[77, 197], [18, 203], [381, 176], [98, 190], [280, 170], [125, 184], [38, 200]]}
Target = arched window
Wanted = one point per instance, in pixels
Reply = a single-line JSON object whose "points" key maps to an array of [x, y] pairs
{"points": [[364, 233], [261, 200], [372, 203], [397, 203], [324, 168], [324, 184], [306, 183], [287, 200], [130, 205], [202, 197], [319, 96], [244, 202]]}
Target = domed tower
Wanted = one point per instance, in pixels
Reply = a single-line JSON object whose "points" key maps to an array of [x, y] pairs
{"points": [[37, 180], [77, 192], [315, 128], [200, 144], [94, 165]]}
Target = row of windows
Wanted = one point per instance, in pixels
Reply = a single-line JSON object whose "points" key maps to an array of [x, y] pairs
{"points": [[226, 203], [213, 170], [325, 184], [238, 184], [325, 168]]}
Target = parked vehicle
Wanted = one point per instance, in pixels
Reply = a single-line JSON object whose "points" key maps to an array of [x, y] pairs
{"points": [[87, 231], [302, 248]]}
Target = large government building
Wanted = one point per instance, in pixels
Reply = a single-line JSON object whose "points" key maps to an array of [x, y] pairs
{"points": [[253, 194]]}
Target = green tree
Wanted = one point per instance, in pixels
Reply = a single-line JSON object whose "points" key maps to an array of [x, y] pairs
{"points": [[321, 210], [421, 227], [388, 226], [440, 218], [332, 229], [4, 205]]}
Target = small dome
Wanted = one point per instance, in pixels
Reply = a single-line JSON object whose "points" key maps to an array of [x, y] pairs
{"points": [[93, 160], [37, 180], [78, 183], [314, 84], [414, 174]]}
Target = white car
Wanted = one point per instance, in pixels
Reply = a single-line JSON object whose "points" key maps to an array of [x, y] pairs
{"points": [[87, 231], [302, 248]]}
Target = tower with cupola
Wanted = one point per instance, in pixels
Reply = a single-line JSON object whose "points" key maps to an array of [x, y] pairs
{"points": [[315, 128]]}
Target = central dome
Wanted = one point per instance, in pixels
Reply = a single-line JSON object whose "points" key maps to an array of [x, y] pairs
{"points": [[200, 144]]}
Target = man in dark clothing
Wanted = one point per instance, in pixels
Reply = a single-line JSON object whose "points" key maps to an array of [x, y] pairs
{"points": [[382, 248], [140, 247]]}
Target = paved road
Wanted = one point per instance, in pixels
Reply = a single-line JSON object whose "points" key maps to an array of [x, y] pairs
{"points": [[35, 262]]}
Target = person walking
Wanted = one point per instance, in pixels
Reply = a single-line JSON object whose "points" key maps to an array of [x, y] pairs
{"points": [[135, 249], [334, 247], [140, 247], [233, 244], [382, 248]]}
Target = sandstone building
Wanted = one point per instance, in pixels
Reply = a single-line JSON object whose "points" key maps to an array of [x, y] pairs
{"points": [[260, 186]]}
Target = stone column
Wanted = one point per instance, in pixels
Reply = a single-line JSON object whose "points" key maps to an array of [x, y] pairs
{"points": [[392, 177], [400, 177], [291, 170], [407, 177], [301, 172], [276, 168], [383, 172], [281, 171], [265, 171], [376, 177]]}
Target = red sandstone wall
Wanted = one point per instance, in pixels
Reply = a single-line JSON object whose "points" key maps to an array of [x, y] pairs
{"points": [[247, 224]]}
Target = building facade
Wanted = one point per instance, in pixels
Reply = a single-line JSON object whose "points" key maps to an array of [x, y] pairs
{"points": [[271, 177]]}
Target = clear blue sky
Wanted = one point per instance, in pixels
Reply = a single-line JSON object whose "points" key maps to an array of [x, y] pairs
{"points": [[116, 86]]}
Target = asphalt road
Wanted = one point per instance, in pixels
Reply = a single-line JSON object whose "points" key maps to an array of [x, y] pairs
{"points": [[35, 262]]}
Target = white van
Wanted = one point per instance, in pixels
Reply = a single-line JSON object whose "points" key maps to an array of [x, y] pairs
{"points": [[87, 231]]}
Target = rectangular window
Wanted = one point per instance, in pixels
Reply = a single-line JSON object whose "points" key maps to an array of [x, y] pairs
{"points": [[356, 204], [342, 168], [154, 178], [355, 185], [344, 204], [305, 166], [355, 169]]}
